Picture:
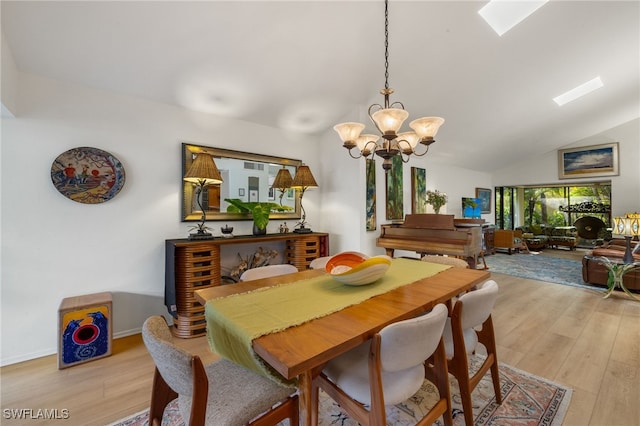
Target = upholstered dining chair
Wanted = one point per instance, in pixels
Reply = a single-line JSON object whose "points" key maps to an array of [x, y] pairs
{"points": [[470, 324], [389, 369], [319, 262], [267, 271], [221, 393], [445, 260]]}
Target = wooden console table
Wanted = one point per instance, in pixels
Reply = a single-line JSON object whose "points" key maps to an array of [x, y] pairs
{"points": [[195, 265]]}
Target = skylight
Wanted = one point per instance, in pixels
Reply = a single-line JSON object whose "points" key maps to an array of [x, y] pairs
{"points": [[502, 15], [579, 91]]}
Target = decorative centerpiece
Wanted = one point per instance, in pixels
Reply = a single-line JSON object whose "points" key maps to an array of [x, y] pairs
{"points": [[436, 199], [354, 268]]}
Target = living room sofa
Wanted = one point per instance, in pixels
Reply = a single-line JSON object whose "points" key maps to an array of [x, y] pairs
{"points": [[594, 272], [538, 237]]}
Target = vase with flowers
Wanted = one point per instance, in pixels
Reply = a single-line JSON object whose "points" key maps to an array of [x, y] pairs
{"points": [[436, 199]]}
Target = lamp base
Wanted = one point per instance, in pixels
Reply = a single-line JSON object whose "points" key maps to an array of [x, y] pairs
{"points": [[201, 236], [302, 230], [628, 255]]}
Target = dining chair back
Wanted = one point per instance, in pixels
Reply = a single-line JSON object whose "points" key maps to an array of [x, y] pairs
{"points": [[445, 260], [221, 393], [267, 271], [470, 324], [319, 262], [391, 368]]}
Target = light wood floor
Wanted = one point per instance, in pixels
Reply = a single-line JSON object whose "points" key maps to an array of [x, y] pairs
{"points": [[566, 334]]}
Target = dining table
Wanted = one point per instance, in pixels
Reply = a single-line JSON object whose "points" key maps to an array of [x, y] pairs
{"points": [[298, 353]]}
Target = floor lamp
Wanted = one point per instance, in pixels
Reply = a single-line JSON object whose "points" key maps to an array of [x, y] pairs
{"points": [[202, 172], [302, 181]]}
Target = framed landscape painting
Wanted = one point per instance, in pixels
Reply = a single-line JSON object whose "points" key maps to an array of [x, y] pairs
{"points": [[588, 161]]}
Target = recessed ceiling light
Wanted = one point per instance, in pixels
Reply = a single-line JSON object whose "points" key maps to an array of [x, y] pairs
{"points": [[502, 15], [579, 91]]}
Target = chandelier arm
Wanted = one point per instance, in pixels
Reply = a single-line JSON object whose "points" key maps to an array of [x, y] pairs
{"points": [[397, 103], [424, 153], [399, 143], [353, 156], [402, 157], [377, 107]]}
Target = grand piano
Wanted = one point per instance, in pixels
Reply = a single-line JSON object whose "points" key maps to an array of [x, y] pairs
{"points": [[434, 234]]}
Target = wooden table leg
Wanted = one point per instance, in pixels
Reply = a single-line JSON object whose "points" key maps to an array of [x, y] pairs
{"points": [[306, 398]]}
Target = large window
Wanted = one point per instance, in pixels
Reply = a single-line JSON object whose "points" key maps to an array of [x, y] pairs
{"points": [[552, 205]]}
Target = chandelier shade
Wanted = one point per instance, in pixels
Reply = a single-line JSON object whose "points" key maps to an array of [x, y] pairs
{"points": [[388, 118]]}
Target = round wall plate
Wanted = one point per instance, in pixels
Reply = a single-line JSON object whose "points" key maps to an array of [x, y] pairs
{"points": [[87, 175]]}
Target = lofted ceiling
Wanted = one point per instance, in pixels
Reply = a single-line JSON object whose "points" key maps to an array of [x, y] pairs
{"points": [[305, 65]]}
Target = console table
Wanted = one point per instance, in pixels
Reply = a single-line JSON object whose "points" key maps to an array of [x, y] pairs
{"points": [[195, 265]]}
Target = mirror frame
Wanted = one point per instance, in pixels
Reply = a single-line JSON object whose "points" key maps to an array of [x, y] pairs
{"points": [[188, 151]]}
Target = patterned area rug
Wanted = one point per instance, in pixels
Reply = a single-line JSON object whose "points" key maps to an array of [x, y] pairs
{"points": [[541, 268], [527, 400]]}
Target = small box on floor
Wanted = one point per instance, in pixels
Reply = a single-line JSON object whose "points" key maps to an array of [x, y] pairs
{"points": [[84, 329]]}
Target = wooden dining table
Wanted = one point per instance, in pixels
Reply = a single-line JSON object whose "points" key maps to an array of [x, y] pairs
{"points": [[301, 351]]}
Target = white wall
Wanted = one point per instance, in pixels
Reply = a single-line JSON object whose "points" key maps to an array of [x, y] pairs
{"points": [[9, 73], [625, 188], [53, 247]]}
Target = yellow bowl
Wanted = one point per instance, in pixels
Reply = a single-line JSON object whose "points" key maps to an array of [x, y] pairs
{"points": [[353, 268]]}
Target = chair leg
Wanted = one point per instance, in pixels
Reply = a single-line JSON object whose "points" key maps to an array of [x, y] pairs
{"points": [[161, 395], [486, 336]]}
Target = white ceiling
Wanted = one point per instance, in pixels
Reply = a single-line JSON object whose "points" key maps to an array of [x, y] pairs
{"points": [[306, 65]]}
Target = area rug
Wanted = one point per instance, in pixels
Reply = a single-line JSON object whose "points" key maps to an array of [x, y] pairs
{"points": [[527, 400], [541, 268]]}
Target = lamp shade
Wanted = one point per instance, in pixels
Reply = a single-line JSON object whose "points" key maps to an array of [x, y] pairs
{"points": [[426, 127], [389, 120], [628, 226], [349, 132], [303, 179], [203, 170], [364, 142], [411, 138], [283, 179]]}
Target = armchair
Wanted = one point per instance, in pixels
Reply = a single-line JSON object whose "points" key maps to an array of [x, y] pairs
{"points": [[509, 240]]}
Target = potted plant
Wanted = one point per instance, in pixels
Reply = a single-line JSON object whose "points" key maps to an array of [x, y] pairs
{"points": [[259, 211], [436, 199]]}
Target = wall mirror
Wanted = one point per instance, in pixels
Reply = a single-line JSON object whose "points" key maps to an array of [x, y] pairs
{"points": [[246, 176]]}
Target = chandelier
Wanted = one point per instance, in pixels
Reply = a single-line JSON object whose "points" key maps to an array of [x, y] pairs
{"points": [[388, 119]]}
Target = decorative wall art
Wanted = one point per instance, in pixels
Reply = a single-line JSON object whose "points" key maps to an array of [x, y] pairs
{"points": [[471, 207], [371, 194], [418, 190], [484, 195], [588, 161], [394, 189], [87, 175]]}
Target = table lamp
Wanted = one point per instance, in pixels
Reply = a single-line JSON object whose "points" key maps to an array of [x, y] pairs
{"points": [[629, 227], [282, 182], [303, 180], [202, 172]]}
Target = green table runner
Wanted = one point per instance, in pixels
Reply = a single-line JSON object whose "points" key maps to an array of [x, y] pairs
{"points": [[234, 321]]}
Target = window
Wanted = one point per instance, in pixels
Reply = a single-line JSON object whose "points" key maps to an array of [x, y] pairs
{"points": [[552, 205]]}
